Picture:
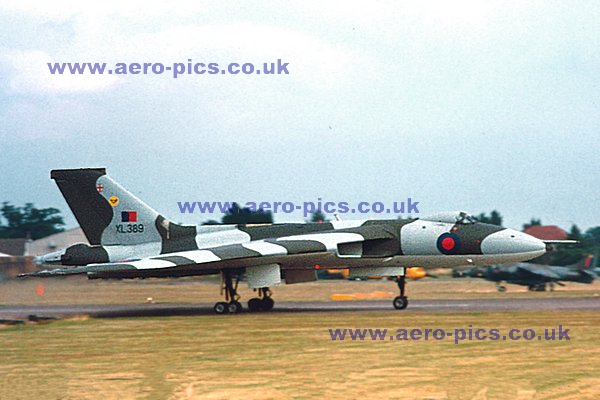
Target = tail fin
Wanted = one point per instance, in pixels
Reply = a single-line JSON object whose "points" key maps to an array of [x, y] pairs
{"points": [[587, 263], [107, 212]]}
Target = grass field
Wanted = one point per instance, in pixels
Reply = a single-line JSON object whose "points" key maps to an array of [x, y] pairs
{"points": [[79, 290], [279, 356], [290, 355]]}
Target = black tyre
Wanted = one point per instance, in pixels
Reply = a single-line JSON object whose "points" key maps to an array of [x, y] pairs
{"points": [[234, 307], [220, 307], [254, 304], [400, 302], [266, 304]]}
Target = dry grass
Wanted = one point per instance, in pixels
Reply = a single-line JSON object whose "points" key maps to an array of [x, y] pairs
{"points": [[279, 356], [79, 290]]}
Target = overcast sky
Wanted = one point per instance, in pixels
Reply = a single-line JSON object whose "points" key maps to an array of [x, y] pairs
{"points": [[462, 105]]}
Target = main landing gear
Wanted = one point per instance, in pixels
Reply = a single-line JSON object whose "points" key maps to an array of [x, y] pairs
{"points": [[539, 287], [231, 305], [401, 302], [263, 302]]}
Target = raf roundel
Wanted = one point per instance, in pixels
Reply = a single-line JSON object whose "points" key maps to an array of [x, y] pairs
{"points": [[448, 243]]}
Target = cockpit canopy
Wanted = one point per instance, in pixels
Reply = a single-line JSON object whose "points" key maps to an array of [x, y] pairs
{"points": [[451, 217]]}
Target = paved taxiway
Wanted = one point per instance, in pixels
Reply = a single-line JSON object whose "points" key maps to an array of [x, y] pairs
{"points": [[415, 306]]}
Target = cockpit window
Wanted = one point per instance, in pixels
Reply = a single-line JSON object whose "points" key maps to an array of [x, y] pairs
{"points": [[465, 219], [457, 217]]}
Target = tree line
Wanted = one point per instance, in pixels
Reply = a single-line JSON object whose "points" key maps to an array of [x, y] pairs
{"points": [[29, 221]]}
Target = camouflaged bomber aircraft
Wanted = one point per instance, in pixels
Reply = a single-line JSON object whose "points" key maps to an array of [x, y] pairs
{"points": [[128, 239]]}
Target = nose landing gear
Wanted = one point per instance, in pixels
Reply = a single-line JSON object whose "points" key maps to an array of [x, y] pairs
{"points": [[401, 302]]}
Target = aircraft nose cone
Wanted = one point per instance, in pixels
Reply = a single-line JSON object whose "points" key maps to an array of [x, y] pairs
{"points": [[509, 241]]}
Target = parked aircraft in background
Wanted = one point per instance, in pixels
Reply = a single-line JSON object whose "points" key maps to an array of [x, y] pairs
{"points": [[535, 276]]}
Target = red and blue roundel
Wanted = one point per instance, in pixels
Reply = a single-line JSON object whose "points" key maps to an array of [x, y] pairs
{"points": [[448, 243]]}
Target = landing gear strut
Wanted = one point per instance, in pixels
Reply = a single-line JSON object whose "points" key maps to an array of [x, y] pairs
{"points": [[231, 304], [401, 302], [537, 287], [263, 302]]}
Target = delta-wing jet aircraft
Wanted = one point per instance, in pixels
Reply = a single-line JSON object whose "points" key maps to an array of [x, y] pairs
{"points": [[128, 239]]}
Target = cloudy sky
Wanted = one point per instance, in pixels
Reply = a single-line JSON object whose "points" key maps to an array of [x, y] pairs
{"points": [[463, 105]]}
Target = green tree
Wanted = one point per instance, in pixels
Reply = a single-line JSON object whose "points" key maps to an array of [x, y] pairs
{"points": [[533, 222], [575, 233], [589, 243], [28, 221], [318, 216], [592, 237], [237, 215], [495, 218]]}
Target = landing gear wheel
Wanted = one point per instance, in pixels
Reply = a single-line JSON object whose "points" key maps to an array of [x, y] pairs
{"points": [[229, 287], [501, 289], [254, 304], [537, 287], [400, 302], [221, 307], [266, 304], [234, 307]]}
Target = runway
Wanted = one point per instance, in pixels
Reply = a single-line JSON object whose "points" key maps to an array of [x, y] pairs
{"points": [[415, 306]]}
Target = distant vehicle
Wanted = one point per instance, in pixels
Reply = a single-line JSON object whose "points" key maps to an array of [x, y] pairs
{"points": [[535, 276]]}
